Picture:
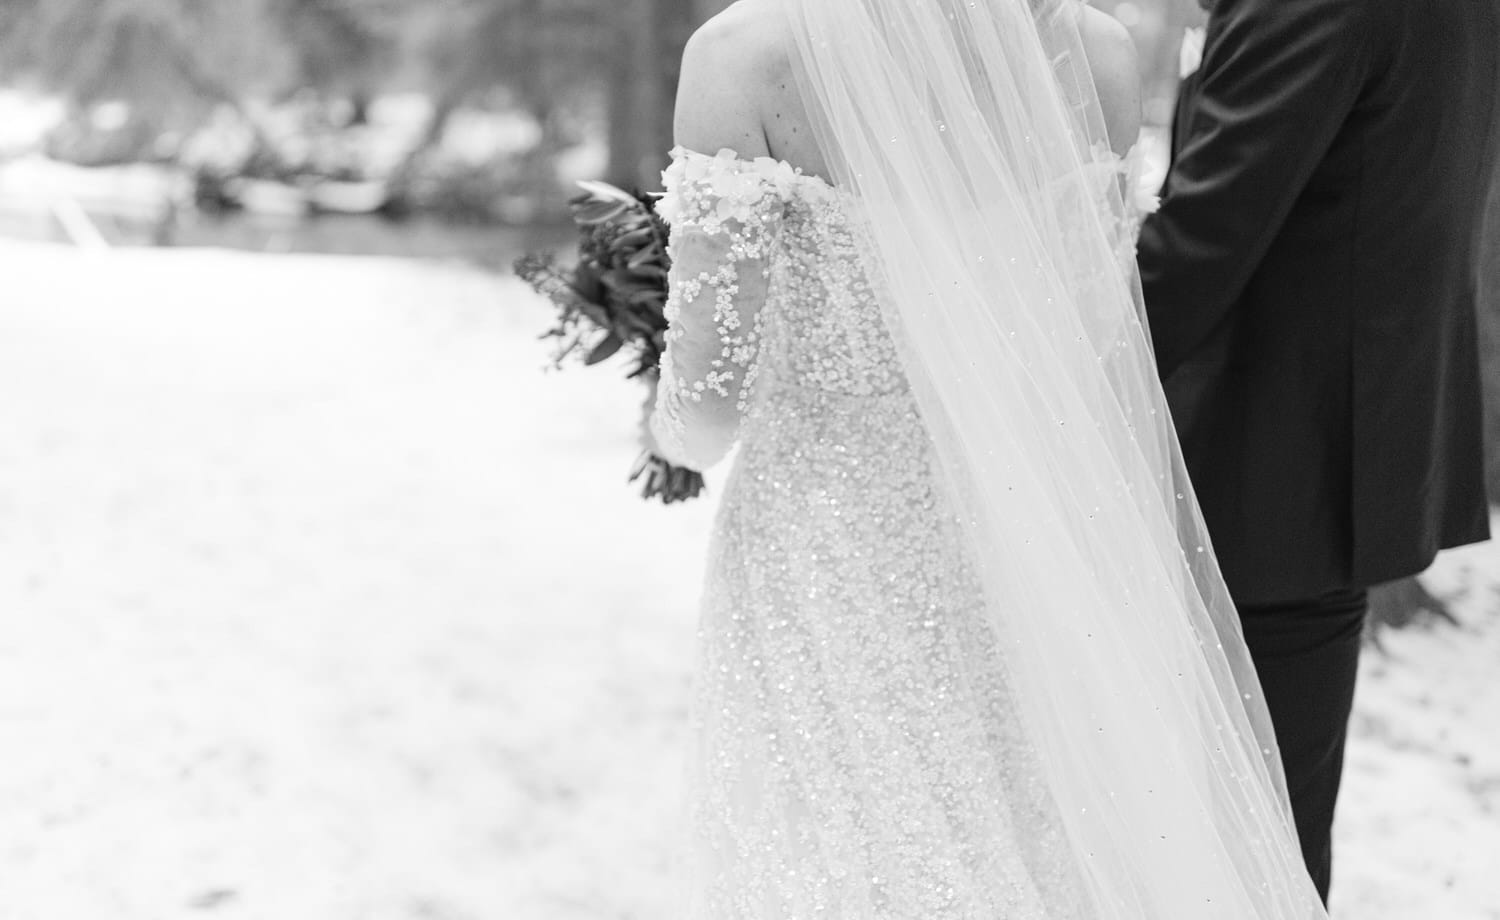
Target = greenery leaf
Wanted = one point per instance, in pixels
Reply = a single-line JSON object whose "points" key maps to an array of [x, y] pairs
{"points": [[607, 346], [603, 191], [596, 212]]}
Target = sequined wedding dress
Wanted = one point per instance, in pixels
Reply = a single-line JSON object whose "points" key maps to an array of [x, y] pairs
{"points": [[856, 754], [966, 650]]}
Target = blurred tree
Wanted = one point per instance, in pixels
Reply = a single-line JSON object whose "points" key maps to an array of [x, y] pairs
{"points": [[556, 57], [343, 48], [174, 61], [644, 87], [167, 57], [547, 57], [474, 46], [704, 10]]}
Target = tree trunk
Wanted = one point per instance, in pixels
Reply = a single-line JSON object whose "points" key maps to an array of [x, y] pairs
{"points": [[678, 20], [622, 113], [705, 10], [644, 88], [633, 96]]}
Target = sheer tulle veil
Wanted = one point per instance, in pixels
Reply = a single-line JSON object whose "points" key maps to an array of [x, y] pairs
{"points": [[970, 133]]}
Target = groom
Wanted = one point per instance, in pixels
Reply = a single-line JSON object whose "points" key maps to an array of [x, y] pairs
{"points": [[1310, 284]]}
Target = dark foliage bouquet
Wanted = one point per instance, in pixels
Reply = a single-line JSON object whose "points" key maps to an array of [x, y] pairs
{"points": [[614, 298]]}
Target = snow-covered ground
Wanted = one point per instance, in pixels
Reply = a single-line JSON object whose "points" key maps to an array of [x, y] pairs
{"points": [[320, 601]]}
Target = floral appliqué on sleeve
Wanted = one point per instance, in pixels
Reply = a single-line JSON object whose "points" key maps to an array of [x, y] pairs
{"points": [[725, 214]]}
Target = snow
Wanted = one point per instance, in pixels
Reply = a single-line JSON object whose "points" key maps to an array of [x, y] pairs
{"points": [[319, 599], [1418, 832], [25, 119]]}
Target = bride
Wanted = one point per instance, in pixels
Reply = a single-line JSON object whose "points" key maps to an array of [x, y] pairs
{"points": [[965, 652]]}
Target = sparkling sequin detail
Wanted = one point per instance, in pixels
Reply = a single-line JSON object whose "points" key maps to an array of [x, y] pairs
{"points": [[857, 754]]}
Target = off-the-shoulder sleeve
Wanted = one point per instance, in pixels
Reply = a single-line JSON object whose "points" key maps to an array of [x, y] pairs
{"points": [[724, 214]]}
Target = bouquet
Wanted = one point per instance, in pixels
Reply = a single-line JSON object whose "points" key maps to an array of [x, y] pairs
{"points": [[614, 298]]}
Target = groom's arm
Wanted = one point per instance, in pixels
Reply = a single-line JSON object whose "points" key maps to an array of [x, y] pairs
{"points": [[1278, 79]]}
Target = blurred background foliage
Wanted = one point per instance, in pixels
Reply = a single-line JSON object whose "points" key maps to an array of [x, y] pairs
{"points": [[478, 111], [451, 128], [472, 112]]}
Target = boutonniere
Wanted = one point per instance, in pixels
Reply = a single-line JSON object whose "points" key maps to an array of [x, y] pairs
{"points": [[1191, 55]]}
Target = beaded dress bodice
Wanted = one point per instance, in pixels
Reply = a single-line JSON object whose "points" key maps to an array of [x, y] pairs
{"points": [[824, 331], [792, 306], [856, 756]]}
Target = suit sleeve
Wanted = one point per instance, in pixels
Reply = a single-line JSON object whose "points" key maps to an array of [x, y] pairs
{"points": [[1278, 79]]}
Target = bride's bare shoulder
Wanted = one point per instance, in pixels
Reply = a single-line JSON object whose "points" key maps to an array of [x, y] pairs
{"points": [[728, 66], [1112, 58], [745, 45]]}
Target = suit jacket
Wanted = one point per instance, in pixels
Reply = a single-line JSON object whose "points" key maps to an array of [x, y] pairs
{"points": [[1311, 282]]}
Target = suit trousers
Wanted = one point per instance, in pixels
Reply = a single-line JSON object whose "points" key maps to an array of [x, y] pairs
{"points": [[1307, 656]]}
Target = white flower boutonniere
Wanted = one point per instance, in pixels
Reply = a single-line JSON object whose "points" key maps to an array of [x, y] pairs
{"points": [[1191, 54]]}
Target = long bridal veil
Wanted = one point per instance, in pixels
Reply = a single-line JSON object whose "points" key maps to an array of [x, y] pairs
{"points": [[971, 134]]}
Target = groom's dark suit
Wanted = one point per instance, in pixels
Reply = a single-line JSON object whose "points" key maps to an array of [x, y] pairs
{"points": [[1310, 283]]}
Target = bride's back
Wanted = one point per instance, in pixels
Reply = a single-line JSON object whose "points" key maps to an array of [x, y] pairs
{"points": [[738, 90]]}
